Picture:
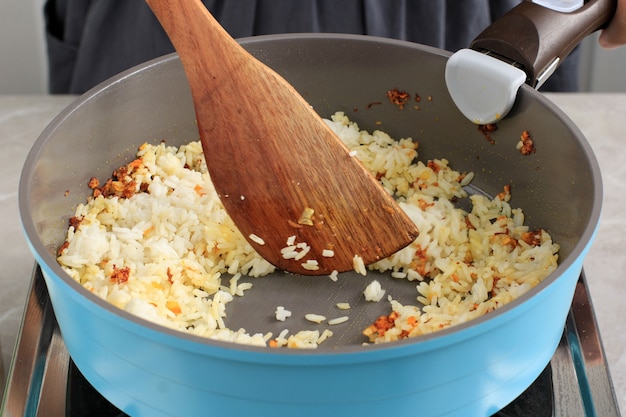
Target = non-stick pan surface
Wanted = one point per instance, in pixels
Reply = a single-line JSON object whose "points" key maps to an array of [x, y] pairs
{"points": [[490, 360]]}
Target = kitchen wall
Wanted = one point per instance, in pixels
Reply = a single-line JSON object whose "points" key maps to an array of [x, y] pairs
{"points": [[602, 70], [23, 66], [22, 51]]}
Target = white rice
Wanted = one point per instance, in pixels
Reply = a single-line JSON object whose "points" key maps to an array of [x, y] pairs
{"points": [[162, 253], [310, 265], [359, 265], [334, 276], [338, 320], [282, 314], [315, 318], [294, 250], [374, 292], [304, 339], [256, 239]]}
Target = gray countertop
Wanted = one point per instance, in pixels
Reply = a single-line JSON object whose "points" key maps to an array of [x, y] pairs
{"points": [[601, 117]]}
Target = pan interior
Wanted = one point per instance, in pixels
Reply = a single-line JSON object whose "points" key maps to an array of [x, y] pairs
{"points": [[556, 186], [302, 295]]}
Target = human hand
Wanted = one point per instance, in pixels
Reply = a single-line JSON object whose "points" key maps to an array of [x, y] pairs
{"points": [[614, 35]]}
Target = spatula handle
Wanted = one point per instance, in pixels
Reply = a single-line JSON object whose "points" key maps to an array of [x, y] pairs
{"points": [[538, 39]]}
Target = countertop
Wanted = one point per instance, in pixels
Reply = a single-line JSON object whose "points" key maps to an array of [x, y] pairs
{"points": [[601, 117]]}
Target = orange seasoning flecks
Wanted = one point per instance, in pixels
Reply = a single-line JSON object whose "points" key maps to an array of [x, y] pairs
{"points": [[532, 238], [173, 306], [75, 221], [434, 166], [120, 275], [505, 195], [121, 184], [137, 163], [397, 97], [526, 145], [420, 261], [504, 239], [93, 183], [199, 190], [487, 130], [423, 204], [63, 247], [380, 326], [294, 224]]}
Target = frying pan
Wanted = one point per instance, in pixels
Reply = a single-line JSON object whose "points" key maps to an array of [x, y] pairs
{"points": [[473, 369]]}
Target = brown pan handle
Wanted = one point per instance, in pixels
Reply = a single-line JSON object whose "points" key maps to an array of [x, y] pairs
{"points": [[537, 39]]}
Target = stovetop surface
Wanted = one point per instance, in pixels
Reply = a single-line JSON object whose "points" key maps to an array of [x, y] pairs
{"points": [[43, 380]]}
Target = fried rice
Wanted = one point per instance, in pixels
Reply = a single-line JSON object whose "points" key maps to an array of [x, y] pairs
{"points": [[156, 241]]}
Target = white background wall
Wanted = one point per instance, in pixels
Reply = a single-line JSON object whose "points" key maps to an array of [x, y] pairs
{"points": [[22, 50], [602, 70], [23, 65]]}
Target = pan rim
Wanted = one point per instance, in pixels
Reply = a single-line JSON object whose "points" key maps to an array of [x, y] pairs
{"points": [[357, 353]]}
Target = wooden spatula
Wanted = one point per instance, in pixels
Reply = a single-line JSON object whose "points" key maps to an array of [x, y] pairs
{"points": [[283, 176]]}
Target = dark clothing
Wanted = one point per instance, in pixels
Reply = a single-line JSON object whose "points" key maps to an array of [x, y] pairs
{"points": [[91, 40]]}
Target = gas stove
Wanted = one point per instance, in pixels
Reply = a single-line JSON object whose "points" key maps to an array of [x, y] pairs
{"points": [[44, 381]]}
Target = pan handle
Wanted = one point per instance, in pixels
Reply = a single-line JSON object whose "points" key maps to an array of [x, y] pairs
{"points": [[537, 39]]}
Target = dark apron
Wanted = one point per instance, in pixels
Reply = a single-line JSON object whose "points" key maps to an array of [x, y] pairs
{"points": [[89, 41]]}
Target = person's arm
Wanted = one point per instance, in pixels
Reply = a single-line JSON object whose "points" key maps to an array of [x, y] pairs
{"points": [[615, 33]]}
